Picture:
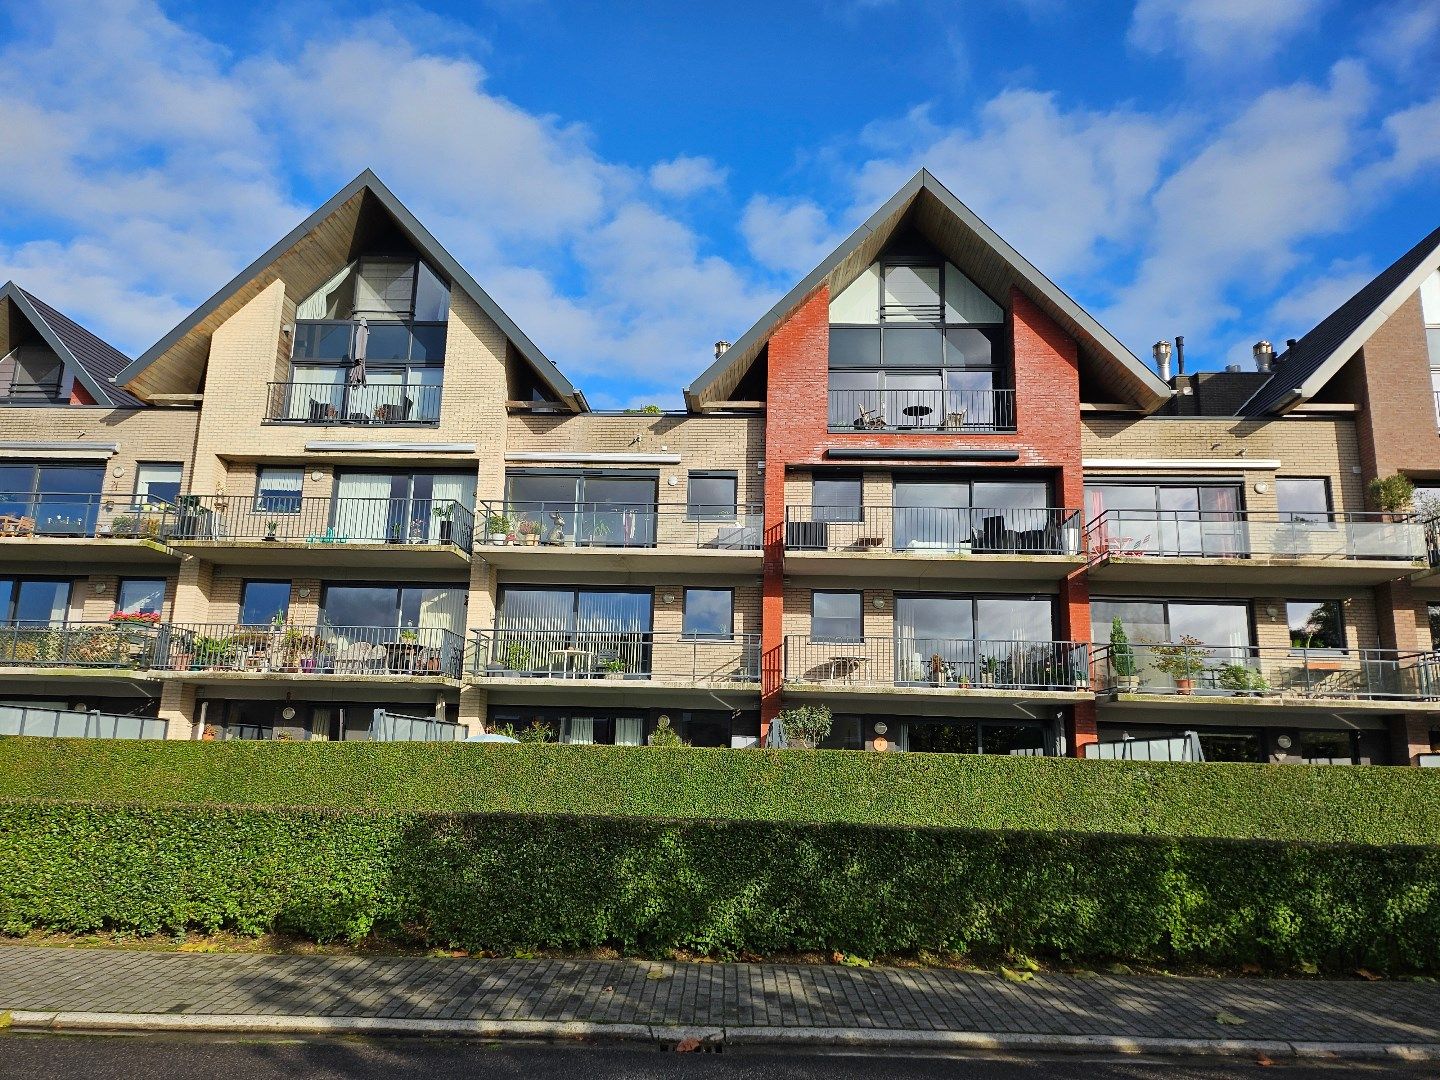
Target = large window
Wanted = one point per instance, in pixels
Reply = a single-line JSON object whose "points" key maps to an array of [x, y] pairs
{"points": [[63, 500], [836, 617], [711, 496], [1430, 312], [1303, 498], [1181, 518], [915, 345], [565, 631], [610, 509], [963, 515], [408, 607], [140, 596], [709, 614], [400, 508], [1223, 627], [33, 601], [264, 602], [158, 481], [1006, 638]]}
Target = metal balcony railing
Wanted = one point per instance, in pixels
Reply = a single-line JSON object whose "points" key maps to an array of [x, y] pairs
{"points": [[921, 530], [297, 519], [118, 643], [310, 650], [84, 514], [1246, 534], [21, 392], [69, 724], [946, 412], [339, 403], [952, 663], [619, 525], [1250, 671], [615, 654]]}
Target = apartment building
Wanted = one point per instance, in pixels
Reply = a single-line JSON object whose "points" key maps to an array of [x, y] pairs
{"points": [[349, 498]]}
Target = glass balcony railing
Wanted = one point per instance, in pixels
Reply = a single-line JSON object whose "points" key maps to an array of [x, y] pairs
{"points": [[933, 530], [296, 519], [319, 649], [84, 515], [950, 663], [618, 525], [1249, 671], [615, 654], [1247, 534], [71, 724], [341, 403], [945, 412]]}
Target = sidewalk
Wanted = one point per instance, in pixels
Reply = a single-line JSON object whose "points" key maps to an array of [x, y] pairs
{"points": [[59, 988]]}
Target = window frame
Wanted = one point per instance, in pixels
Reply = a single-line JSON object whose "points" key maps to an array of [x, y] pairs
{"points": [[124, 581], [245, 586], [856, 477], [712, 474], [858, 638], [145, 496], [689, 635], [1341, 649], [1326, 516], [288, 502]]}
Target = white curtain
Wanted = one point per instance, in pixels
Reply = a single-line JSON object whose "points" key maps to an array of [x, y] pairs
{"points": [[629, 731], [362, 507], [443, 609], [385, 289], [317, 304], [454, 487], [579, 730]]}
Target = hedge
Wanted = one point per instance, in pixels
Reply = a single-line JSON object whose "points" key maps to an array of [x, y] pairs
{"points": [[1296, 802], [504, 882]]}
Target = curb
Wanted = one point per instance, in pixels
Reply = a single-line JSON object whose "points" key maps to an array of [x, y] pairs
{"points": [[817, 1037]]}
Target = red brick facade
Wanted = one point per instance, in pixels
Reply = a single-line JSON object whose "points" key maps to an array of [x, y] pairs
{"points": [[1047, 438]]}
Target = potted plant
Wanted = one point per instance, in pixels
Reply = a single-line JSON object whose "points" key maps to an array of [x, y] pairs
{"points": [[499, 526], [806, 726], [1122, 659], [270, 526], [1182, 661], [937, 670], [664, 734], [408, 637], [599, 533], [124, 525], [443, 513], [214, 652], [1393, 494], [989, 671], [516, 658], [1242, 679], [529, 531], [613, 668], [192, 522]]}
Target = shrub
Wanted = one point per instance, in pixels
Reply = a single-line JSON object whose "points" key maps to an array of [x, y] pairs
{"points": [[1122, 655], [1392, 494], [806, 726], [502, 882], [1293, 802], [665, 735]]}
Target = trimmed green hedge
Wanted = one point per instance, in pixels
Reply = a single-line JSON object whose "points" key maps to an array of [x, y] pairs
{"points": [[504, 882], [1291, 802]]}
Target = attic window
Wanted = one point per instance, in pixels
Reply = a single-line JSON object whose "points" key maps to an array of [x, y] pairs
{"points": [[379, 289]]}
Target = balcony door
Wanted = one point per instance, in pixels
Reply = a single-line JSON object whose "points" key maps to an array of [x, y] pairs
{"points": [[1179, 519], [569, 631], [399, 508], [955, 515], [603, 509], [34, 602], [1007, 638], [63, 500]]}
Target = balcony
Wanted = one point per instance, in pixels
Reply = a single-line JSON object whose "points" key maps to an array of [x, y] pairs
{"points": [[340, 532], [328, 403], [923, 412], [53, 528], [78, 648], [1252, 679], [614, 536], [1253, 548], [933, 542], [291, 652], [72, 724], [613, 663], [887, 668]]}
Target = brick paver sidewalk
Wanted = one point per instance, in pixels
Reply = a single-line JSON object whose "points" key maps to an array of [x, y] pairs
{"points": [[48, 979]]}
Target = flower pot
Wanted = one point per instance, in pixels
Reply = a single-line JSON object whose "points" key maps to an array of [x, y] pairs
{"points": [[532, 539], [1185, 686], [1128, 684], [445, 527], [497, 538]]}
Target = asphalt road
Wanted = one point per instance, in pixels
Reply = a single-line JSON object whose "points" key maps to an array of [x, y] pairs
{"points": [[154, 1057]]}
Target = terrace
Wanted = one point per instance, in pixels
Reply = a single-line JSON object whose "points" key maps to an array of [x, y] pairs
{"points": [[622, 661]]}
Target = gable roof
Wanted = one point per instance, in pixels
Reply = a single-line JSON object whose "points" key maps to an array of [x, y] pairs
{"points": [[1301, 370], [977, 249], [93, 361], [306, 257]]}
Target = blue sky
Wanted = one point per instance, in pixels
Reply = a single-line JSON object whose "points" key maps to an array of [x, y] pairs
{"points": [[634, 181]]}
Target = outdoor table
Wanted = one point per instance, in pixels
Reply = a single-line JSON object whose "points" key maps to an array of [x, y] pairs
{"points": [[917, 413], [846, 667], [570, 655]]}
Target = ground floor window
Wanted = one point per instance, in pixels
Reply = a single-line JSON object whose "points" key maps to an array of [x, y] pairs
{"points": [[941, 735], [576, 725], [305, 721], [1254, 745]]}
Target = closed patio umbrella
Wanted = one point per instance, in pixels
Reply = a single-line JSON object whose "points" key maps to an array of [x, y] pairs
{"points": [[357, 368]]}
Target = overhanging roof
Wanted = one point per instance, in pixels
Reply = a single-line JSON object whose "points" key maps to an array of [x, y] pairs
{"points": [[92, 360], [983, 255], [305, 259], [1304, 368]]}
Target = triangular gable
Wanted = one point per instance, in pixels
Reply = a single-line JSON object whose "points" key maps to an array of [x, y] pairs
{"points": [[1302, 370], [304, 259], [993, 265], [92, 360]]}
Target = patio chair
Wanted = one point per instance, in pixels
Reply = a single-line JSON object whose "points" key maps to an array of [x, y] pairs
{"points": [[954, 421], [865, 420], [351, 659]]}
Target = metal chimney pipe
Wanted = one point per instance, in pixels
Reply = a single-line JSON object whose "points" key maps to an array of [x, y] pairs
{"points": [[1161, 351], [720, 347], [1179, 354], [1264, 354]]}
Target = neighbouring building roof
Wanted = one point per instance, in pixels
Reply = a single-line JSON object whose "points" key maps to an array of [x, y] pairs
{"points": [[304, 259], [1301, 370], [977, 249], [94, 361]]}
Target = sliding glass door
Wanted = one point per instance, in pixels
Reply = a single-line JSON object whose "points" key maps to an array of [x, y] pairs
{"points": [[397, 507], [34, 602], [1195, 519], [568, 631], [580, 507], [1222, 627], [999, 640], [961, 515], [63, 500]]}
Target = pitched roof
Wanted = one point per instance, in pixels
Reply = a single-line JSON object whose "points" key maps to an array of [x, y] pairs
{"points": [[93, 361], [187, 344], [1301, 370], [985, 257]]}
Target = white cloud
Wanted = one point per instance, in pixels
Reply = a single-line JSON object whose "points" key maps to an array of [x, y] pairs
{"points": [[1413, 142], [1232, 32], [684, 176], [1406, 36], [790, 235]]}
